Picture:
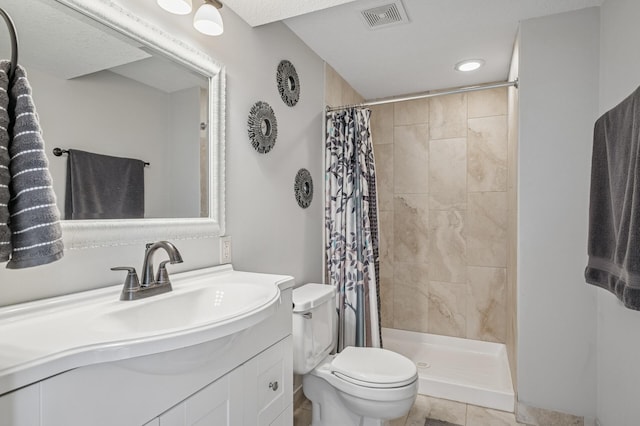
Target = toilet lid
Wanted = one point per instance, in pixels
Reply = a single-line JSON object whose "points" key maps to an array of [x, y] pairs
{"points": [[373, 367]]}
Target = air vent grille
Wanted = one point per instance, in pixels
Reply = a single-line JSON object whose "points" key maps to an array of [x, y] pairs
{"points": [[385, 15]]}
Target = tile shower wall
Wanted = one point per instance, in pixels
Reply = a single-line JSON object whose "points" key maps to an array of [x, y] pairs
{"points": [[442, 180]]}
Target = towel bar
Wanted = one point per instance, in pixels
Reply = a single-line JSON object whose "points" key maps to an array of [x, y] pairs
{"points": [[59, 151]]}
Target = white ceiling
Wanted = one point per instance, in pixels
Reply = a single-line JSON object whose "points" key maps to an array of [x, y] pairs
{"points": [[260, 12], [415, 57], [51, 39], [68, 45]]}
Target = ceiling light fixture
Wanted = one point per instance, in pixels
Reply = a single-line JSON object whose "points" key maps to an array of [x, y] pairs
{"points": [[207, 19], [469, 65], [178, 7]]}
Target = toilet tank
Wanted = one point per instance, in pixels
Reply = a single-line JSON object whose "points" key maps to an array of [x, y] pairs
{"points": [[314, 316]]}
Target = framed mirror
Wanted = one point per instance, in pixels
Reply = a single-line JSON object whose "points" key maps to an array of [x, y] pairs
{"points": [[180, 131], [262, 127]]}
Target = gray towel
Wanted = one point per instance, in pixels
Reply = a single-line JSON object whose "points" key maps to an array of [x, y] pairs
{"points": [[36, 235], [614, 210], [5, 234], [103, 187]]}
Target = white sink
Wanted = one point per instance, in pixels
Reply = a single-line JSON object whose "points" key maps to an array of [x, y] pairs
{"points": [[46, 337], [185, 308]]}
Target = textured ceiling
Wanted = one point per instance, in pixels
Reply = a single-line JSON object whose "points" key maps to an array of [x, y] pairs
{"points": [[260, 12], [408, 58], [68, 45], [51, 39]]}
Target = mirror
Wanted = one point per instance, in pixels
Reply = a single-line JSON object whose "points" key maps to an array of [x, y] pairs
{"points": [[291, 84], [108, 82], [265, 128], [262, 127]]}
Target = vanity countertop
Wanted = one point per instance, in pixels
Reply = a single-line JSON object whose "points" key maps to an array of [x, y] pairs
{"points": [[46, 337]]}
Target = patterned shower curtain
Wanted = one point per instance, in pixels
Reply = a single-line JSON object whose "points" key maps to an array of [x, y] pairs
{"points": [[351, 227]]}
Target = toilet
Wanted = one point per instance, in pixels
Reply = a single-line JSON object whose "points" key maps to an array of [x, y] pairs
{"points": [[358, 386]]}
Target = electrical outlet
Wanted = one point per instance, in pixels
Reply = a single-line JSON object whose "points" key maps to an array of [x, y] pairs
{"points": [[225, 250]]}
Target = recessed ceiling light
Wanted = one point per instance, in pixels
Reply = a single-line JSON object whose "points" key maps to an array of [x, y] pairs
{"points": [[469, 65]]}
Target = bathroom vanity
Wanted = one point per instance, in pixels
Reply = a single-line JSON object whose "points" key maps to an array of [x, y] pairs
{"points": [[216, 350]]}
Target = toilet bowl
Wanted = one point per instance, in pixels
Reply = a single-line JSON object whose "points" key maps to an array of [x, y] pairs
{"points": [[358, 386]]}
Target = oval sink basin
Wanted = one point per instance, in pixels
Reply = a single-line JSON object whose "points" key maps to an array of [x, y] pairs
{"points": [[46, 337], [185, 308]]}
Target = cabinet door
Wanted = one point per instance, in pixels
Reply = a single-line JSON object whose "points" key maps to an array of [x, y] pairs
{"points": [[21, 407], [285, 418], [218, 404], [268, 381]]}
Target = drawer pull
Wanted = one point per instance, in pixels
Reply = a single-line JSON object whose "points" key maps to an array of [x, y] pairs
{"points": [[273, 386]]}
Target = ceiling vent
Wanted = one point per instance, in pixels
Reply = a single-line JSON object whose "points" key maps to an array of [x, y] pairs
{"points": [[385, 16]]}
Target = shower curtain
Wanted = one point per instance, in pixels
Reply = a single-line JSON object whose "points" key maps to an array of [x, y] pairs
{"points": [[351, 227]]}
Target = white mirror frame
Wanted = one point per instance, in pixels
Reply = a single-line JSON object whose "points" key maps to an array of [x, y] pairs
{"points": [[84, 234]]}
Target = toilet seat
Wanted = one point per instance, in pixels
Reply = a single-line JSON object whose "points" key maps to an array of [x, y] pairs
{"points": [[373, 367], [358, 382]]}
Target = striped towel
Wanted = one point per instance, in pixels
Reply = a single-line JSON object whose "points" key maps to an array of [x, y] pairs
{"points": [[5, 234], [36, 235]]}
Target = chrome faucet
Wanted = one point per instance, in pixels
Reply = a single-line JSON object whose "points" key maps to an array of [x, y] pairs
{"points": [[147, 266], [133, 289]]}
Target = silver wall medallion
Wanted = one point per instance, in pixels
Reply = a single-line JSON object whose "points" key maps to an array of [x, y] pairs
{"points": [[288, 83], [303, 188], [262, 127]]}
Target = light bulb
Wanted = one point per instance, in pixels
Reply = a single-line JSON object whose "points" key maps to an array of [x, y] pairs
{"points": [[179, 7], [208, 20]]}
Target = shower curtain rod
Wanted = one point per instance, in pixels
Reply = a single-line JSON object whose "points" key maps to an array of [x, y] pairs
{"points": [[430, 94]]}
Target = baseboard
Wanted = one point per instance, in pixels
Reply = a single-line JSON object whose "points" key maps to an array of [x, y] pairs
{"points": [[298, 397]]}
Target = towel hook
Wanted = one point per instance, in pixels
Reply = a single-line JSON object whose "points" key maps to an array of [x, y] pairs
{"points": [[13, 34]]}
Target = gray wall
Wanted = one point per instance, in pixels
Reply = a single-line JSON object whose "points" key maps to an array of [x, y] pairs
{"points": [[90, 113], [556, 309], [270, 232], [182, 154], [618, 343]]}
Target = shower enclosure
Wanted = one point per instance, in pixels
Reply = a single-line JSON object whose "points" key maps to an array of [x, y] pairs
{"points": [[446, 190], [443, 169]]}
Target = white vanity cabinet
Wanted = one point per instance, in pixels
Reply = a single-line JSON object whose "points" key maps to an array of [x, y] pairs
{"points": [[243, 378], [21, 407], [258, 393], [269, 381], [219, 404]]}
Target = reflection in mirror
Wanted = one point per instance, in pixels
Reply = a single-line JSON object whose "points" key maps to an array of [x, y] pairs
{"points": [[98, 91], [265, 127], [182, 163]]}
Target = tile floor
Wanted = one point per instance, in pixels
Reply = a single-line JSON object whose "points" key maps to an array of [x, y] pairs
{"points": [[439, 409]]}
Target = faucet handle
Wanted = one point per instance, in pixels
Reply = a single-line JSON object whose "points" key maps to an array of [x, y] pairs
{"points": [[131, 283], [163, 276]]}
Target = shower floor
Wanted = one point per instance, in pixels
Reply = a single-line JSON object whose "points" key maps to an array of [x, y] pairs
{"points": [[464, 370]]}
